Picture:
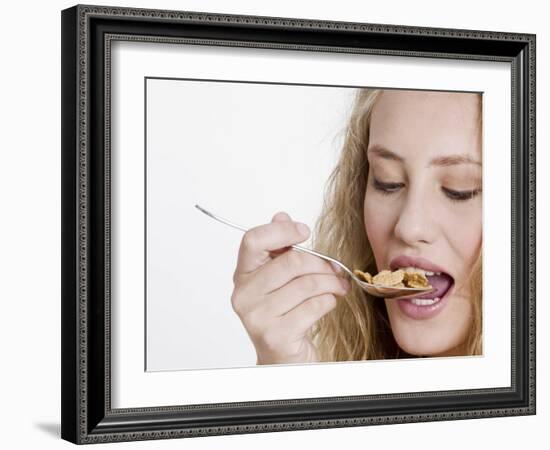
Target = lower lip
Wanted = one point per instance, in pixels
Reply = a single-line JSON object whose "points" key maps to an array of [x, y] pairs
{"points": [[419, 312]]}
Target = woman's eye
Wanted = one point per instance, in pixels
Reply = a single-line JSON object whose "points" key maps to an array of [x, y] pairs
{"points": [[386, 188], [460, 196]]}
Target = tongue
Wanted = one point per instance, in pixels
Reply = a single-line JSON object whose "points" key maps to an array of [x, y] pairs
{"points": [[441, 284]]}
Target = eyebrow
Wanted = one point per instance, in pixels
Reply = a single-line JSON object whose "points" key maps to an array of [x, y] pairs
{"points": [[440, 161]]}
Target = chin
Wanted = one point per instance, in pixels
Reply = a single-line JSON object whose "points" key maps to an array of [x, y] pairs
{"points": [[444, 335], [428, 348]]}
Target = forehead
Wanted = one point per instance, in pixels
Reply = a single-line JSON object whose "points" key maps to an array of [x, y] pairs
{"points": [[427, 122], [435, 106]]}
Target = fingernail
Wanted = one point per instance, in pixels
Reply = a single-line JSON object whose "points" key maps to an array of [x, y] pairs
{"points": [[335, 267], [303, 229]]}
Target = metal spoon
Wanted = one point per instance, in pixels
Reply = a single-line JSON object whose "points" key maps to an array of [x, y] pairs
{"points": [[372, 289]]}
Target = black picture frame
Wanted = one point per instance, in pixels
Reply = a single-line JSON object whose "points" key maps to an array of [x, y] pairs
{"points": [[87, 416]]}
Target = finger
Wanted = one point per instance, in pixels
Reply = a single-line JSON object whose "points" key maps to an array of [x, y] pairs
{"points": [[258, 242], [304, 316], [299, 290], [280, 217], [287, 266]]}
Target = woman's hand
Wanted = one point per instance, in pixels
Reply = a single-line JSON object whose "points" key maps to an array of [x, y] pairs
{"points": [[280, 293]]}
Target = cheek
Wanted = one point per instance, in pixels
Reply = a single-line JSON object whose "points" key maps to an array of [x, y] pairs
{"points": [[465, 233]]}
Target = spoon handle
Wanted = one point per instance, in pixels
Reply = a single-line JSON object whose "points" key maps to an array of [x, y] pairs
{"points": [[296, 247]]}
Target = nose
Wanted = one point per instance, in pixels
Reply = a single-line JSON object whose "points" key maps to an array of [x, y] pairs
{"points": [[416, 224]]}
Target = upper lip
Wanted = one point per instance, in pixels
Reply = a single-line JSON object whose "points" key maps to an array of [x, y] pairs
{"points": [[412, 261]]}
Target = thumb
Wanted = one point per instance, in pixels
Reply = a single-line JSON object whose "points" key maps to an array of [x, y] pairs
{"points": [[280, 217]]}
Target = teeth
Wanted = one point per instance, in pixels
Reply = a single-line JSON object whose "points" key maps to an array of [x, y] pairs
{"points": [[418, 269], [424, 301], [414, 269]]}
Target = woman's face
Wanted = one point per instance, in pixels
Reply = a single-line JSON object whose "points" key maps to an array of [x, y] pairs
{"points": [[423, 201]]}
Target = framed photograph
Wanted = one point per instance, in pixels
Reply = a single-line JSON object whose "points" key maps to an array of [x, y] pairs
{"points": [[274, 224]]}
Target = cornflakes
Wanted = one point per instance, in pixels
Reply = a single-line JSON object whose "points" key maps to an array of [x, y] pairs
{"points": [[364, 275], [399, 279], [389, 278], [416, 280]]}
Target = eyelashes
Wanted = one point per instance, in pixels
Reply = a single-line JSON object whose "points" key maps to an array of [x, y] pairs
{"points": [[460, 196], [455, 196], [386, 188]]}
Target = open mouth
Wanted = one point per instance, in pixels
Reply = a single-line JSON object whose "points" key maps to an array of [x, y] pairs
{"points": [[426, 304], [441, 283]]}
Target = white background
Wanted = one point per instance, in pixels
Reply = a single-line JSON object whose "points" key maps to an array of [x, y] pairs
{"points": [[30, 226]]}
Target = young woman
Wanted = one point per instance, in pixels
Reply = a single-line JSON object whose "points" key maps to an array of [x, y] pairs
{"points": [[406, 192]]}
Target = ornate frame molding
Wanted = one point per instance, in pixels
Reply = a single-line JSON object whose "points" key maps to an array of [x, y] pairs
{"points": [[84, 421]]}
